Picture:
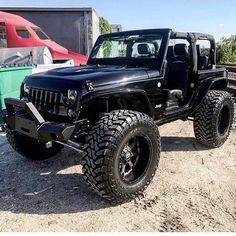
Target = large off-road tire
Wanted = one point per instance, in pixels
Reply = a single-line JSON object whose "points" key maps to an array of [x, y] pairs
{"points": [[214, 118], [121, 155], [31, 148]]}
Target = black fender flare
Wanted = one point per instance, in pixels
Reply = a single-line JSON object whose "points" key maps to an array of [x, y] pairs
{"points": [[205, 86], [141, 94]]}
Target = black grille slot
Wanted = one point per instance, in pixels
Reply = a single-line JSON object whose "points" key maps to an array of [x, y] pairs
{"points": [[47, 101]]}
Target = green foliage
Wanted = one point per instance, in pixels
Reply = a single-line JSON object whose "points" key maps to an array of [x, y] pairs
{"points": [[105, 28], [226, 50], [205, 52], [104, 25]]}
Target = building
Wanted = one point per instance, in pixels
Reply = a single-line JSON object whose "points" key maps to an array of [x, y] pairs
{"points": [[76, 29], [116, 28]]}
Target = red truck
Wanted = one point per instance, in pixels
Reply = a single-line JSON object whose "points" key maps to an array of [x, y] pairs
{"points": [[15, 31]]}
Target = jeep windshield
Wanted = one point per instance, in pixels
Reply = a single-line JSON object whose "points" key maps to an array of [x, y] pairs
{"points": [[139, 50]]}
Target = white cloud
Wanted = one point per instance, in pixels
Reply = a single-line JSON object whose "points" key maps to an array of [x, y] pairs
{"points": [[221, 25]]}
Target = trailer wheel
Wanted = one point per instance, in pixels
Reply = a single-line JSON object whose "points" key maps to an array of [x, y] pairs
{"points": [[31, 148], [214, 118], [121, 155]]}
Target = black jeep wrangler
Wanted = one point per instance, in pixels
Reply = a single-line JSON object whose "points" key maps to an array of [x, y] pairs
{"points": [[111, 108]]}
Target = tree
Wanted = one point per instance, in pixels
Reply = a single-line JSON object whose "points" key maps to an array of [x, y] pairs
{"points": [[104, 25], [226, 50], [105, 28]]}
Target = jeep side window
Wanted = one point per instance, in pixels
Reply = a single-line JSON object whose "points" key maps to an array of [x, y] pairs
{"points": [[23, 33], [3, 37], [203, 54]]}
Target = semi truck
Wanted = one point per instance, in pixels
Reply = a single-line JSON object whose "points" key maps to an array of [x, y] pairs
{"points": [[15, 32]]}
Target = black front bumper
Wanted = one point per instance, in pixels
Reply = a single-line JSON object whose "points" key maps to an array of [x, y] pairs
{"points": [[24, 118]]}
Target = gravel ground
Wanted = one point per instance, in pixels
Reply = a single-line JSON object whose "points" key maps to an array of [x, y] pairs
{"points": [[194, 190]]}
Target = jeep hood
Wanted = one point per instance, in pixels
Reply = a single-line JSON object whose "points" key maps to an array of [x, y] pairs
{"points": [[75, 77]]}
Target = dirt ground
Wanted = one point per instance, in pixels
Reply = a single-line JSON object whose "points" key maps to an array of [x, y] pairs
{"points": [[194, 190]]}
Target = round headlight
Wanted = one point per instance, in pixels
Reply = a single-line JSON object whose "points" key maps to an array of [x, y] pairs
{"points": [[72, 95]]}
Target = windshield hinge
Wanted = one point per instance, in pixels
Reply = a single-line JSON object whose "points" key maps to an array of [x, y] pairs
{"points": [[89, 86]]}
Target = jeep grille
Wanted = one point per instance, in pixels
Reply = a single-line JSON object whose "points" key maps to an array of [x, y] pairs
{"points": [[47, 101]]}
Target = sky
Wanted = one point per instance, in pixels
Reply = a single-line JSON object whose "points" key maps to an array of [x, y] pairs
{"points": [[217, 17]]}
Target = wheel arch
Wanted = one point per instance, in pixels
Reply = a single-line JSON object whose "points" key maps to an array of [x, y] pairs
{"points": [[220, 84], [210, 84], [130, 99]]}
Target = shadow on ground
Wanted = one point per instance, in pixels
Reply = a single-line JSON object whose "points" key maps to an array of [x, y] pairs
{"points": [[40, 188], [44, 188], [181, 144]]}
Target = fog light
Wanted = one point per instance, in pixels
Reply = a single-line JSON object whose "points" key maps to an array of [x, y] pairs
{"points": [[71, 113]]}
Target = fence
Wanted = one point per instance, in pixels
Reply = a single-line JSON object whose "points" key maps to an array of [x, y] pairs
{"points": [[232, 78]]}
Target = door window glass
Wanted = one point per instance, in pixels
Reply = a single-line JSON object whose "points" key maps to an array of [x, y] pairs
{"points": [[23, 33], [3, 37], [41, 34]]}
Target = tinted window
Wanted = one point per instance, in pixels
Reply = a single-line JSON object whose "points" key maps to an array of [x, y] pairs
{"points": [[3, 37], [23, 33], [40, 34]]}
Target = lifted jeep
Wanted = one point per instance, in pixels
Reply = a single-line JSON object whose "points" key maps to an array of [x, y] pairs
{"points": [[112, 107]]}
